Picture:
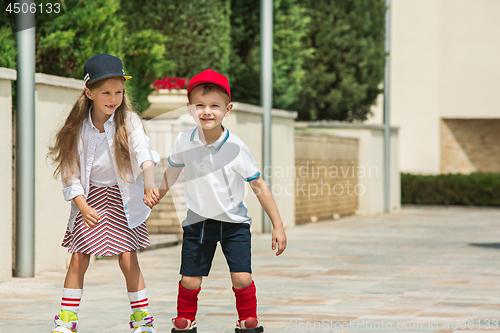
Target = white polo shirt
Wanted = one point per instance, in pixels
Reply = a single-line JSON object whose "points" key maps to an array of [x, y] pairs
{"points": [[215, 175]]}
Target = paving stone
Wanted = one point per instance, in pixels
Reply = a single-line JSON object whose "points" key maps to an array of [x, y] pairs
{"points": [[415, 271]]}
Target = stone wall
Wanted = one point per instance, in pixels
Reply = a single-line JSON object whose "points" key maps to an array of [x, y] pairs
{"points": [[326, 177], [470, 145]]}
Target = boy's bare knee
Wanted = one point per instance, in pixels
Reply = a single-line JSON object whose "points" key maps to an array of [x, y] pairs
{"points": [[191, 282], [241, 280]]}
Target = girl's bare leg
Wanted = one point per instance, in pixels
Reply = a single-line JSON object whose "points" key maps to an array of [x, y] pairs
{"points": [[131, 271], [76, 271]]}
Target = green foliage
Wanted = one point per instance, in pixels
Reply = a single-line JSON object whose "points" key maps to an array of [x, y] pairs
{"points": [[245, 57], [65, 43], [478, 189], [289, 53], [8, 50], [328, 56], [290, 27], [98, 26], [198, 31], [145, 54], [344, 74]]}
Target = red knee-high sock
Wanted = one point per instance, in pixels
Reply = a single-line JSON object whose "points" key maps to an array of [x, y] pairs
{"points": [[246, 302], [187, 302]]}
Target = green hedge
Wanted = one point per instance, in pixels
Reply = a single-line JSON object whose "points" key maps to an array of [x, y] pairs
{"points": [[475, 189]]}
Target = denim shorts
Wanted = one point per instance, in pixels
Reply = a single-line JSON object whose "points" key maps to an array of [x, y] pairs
{"points": [[200, 241]]}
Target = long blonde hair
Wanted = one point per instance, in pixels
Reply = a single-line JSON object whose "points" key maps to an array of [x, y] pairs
{"points": [[64, 153]]}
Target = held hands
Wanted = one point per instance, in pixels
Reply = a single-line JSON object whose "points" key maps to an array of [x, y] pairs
{"points": [[151, 197], [279, 238], [90, 217]]}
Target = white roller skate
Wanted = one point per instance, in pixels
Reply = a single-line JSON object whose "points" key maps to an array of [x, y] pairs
{"points": [[66, 321], [142, 321]]}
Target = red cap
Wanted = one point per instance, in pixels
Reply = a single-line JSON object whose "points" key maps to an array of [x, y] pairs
{"points": [[209, 76]]}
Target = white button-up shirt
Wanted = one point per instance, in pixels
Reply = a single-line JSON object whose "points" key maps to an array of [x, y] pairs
{"points": [[215, 175], [132, 190]]}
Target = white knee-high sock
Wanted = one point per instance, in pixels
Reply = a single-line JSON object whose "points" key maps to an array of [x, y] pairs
{"points": [[139, 300], [71, 299]]}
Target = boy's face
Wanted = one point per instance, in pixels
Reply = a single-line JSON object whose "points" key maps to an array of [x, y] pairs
{"points": [[208, 109]]}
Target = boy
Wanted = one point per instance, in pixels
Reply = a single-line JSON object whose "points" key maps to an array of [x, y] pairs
{"points": [[217, 165]]}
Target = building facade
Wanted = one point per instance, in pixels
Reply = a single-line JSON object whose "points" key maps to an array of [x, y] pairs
{"points": [[445, 74]]}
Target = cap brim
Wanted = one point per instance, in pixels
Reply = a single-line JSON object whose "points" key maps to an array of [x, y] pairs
{"points": [[107, 76]]}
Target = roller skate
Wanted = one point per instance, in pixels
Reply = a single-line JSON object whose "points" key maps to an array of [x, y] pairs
{"points": [[249, 325], [184, 325], [66, 321], [142, 321]]}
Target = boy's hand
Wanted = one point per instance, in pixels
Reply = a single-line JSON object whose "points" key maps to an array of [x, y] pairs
{"points": [[162, 193], [279, 238], [90, 217], [151, 197]]}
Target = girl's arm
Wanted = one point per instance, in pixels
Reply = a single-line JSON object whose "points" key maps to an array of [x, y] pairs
{"points": [[89, 214], [139, 143], [73, 187], [151, 194], [267, 202], [145, 158], [169, 178]]}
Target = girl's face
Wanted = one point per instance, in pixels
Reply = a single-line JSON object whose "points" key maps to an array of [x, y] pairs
{"points": [[106, 98]]}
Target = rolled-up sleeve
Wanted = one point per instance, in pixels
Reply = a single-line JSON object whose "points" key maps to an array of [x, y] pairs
{"points": [[139, 142], [74, 187]]}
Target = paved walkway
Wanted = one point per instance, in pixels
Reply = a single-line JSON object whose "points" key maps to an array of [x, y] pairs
{"points": [[414, 271]]}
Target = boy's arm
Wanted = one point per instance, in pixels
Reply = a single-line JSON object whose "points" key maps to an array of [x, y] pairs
{"points": [[267, 202], [169, 178]]}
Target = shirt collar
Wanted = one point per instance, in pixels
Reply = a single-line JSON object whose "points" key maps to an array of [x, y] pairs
{"points": [[110, 120], [195, 136]]}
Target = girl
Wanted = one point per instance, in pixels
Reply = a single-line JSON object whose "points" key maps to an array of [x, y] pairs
{"points": [[99, 152]]}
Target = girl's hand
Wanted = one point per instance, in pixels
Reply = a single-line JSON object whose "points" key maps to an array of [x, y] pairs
{"points": [[279, 238], [90, 217], [151, 197]]}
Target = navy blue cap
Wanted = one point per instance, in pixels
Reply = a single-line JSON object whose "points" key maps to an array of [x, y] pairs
{"points": [[101, 67]]}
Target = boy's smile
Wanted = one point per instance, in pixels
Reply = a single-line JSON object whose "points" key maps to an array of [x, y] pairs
{"points": [[208, 110]]}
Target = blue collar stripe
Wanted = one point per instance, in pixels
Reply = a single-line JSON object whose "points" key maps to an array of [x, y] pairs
{"points": [[175, 165], [257, 175], [224, 141], [192, 134]]}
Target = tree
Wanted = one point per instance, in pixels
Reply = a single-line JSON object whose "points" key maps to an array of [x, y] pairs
{"points": [[343, 76], [289, 29], [64, 44], [8, 50], [92, 27], [225, 36], [198, 32]]}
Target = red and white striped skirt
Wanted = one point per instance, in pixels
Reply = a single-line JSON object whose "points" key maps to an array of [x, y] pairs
{"points": [[111, 235]]}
